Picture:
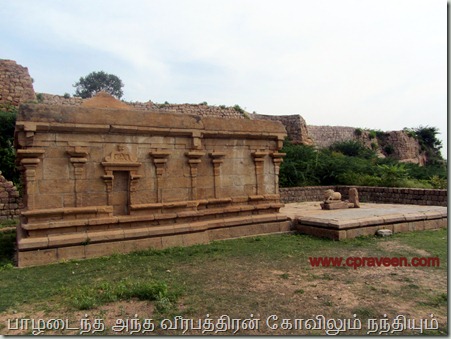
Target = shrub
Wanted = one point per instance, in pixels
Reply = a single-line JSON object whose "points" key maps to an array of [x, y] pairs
{"points": [[353, 148], [438, 182], [7, 152], [389, 149], [351, 164], [392, 175], [299, 166], [238, 109]]}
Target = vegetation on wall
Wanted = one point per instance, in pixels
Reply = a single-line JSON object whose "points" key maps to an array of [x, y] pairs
{"points": [[429, 143], [351, 163]]}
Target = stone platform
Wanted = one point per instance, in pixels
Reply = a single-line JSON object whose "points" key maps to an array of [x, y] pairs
{"points": [[309, 218]]}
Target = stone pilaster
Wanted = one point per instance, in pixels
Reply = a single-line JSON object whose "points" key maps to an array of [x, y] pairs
{"points": [[29, 160], [259, 159], [217, 158], [193, 161], [160, 159], [78, 158], [277, 159]]}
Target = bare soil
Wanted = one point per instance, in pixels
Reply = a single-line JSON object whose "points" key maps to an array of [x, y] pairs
{"points": [[288, 291]]}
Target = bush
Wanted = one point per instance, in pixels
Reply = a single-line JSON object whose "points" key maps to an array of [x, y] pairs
{"points": [[7, 152], [299, 166], [353, 148], [358, 132], [350, 163]]}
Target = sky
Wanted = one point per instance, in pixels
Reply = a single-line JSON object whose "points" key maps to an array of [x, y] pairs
{"points": [[369, 64]]}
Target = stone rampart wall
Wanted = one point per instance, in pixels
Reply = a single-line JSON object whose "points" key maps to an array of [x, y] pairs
{"points": [[52, 99], [193, 109], [324, 136], [383, 195], [10, 201], [16, 85], [294, 124]]}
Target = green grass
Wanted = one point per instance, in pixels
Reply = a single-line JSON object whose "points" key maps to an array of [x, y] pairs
{"points": [[86, 297], [224, 276], [8, 223]]}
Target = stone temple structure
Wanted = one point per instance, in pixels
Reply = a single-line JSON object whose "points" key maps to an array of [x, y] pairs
{"points": [[103, 178]]}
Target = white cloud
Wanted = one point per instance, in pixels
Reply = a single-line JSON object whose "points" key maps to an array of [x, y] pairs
{"points": [[375, 64]]}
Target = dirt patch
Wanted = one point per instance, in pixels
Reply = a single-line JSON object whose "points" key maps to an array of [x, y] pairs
{"points": [[394, 246], [285, 286]]}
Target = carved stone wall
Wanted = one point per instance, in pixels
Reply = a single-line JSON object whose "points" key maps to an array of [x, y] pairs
{"points": [[16, 85], [113, 179]]}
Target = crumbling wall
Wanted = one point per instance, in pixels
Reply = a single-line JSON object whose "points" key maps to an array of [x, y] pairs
{"points": [[294, 124], [406, 148], [16, 85], [10, 201]]}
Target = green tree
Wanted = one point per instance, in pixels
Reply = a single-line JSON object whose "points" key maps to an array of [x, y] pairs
{"points": [[7, 152], [427, 137], [95, 82]]}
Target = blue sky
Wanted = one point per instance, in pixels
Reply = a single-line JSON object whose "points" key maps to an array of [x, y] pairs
{"points": [[368, 64]]}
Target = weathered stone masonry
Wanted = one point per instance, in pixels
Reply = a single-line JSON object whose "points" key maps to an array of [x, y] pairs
{"points": [[10, 201], [16, 85], [105, 180]]}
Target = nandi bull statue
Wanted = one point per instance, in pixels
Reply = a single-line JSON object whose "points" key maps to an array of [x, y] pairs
{"points": [[332, 200]]}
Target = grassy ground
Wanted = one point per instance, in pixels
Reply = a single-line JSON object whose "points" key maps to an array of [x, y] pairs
{"points": [[252, 278]]}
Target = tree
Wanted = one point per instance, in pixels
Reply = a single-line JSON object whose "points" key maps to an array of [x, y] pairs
{"points": [[95, 82]]}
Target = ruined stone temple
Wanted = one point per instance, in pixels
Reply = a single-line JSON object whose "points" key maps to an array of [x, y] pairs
{"points": [[103, 178]]}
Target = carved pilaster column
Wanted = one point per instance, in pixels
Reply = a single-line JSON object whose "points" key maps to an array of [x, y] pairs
{"points": [[217, 159], [277, 159], [78, 158], [160, 159], [194, 161], [108, 180], [29, 161], [259, 158]]}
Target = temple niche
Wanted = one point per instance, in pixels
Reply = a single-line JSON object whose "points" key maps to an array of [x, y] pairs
{"points": [[102, 178]]}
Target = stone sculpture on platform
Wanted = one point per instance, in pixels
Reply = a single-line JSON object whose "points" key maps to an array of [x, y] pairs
{"points": [[332, 200]]}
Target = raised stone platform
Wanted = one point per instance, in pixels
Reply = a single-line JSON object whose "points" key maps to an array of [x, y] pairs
{"points": [[309, 218]]}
